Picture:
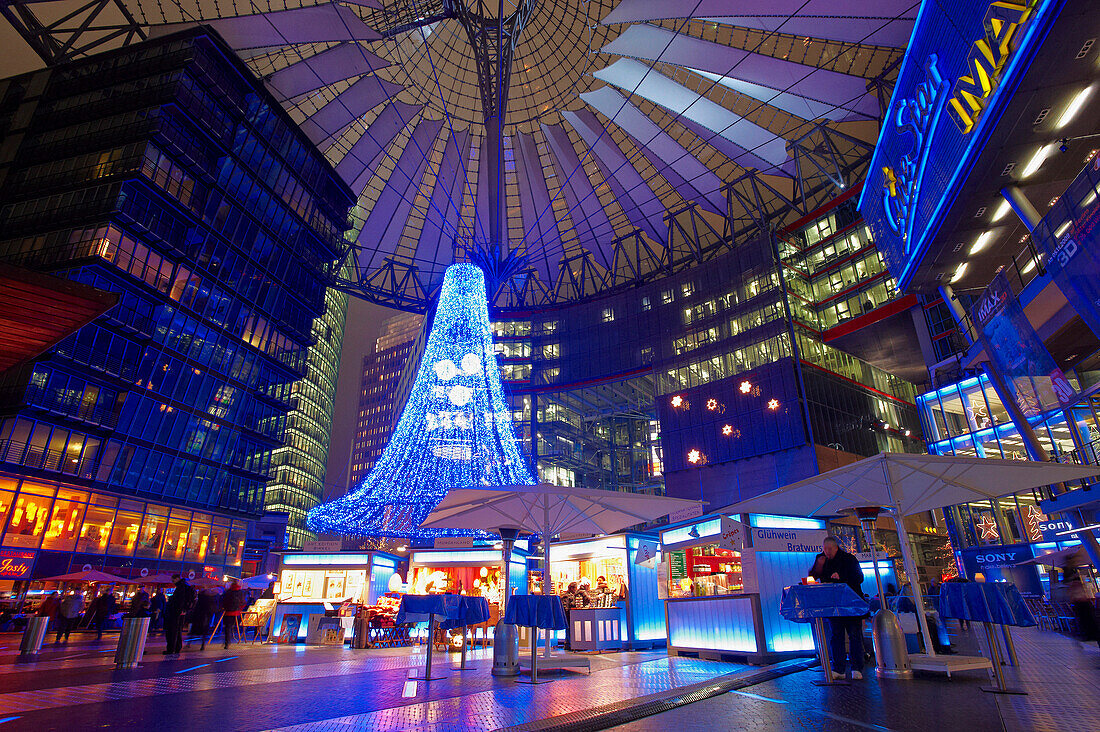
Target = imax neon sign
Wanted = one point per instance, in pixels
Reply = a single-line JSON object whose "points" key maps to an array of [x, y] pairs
{"points": [[1002, 24]]}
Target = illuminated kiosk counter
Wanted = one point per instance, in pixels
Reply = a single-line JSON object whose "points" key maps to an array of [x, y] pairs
{"points": [[307, 581], [632, 617], [724, 604]]}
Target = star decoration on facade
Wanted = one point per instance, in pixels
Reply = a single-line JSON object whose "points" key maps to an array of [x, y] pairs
{"points": [[712, 404], [745, 387], [988, 528], [773, 404], [727, 430], [695, 457], [677, 401], [1032, 518]]}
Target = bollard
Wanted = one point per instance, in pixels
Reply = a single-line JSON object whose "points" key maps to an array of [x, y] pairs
{"points": [[360, 637], [33, 635], [131, 642]]}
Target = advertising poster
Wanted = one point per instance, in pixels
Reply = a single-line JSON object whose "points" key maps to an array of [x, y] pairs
{"points": [[1069, 236], [291, 624], [1002, 564], [1014, 348]]}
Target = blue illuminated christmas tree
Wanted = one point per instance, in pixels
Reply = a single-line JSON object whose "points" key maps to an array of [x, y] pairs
{"points": [[455, 432]]}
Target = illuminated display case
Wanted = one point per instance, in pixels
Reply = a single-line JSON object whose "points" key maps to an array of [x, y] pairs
{"points": [[701, 571], [722, 602]]}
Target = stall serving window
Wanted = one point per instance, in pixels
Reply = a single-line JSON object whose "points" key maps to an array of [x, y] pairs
{"points": [[334, 585], [704, 570]]}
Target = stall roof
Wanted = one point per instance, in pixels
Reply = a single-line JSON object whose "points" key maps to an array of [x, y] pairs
{"points": [[911, 484]]}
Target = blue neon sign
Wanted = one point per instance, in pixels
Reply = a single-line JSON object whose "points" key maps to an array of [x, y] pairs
{"points": [[963, 66]]}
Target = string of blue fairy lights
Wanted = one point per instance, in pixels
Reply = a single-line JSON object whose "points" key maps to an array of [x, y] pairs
{"points": [[455, 431]]}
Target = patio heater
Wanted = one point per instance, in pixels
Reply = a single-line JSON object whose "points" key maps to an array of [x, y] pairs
{"points": [[891, 655], [506, 637]]}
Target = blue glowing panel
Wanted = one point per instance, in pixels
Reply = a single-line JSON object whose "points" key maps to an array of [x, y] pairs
{"points": [[455, 432], [647, 610], [719, 624], [690, 532], [775, 571], [952, 88], [379, 582], [767, 521]]}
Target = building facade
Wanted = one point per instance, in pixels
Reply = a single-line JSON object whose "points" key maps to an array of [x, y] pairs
{"points": [[300, 464], [165, 173], [380, 394]]}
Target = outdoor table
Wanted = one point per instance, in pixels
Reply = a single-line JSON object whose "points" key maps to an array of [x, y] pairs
{"points": [[536, 612], [472, 610], [420, 608], [814, 603], [989, 603]]}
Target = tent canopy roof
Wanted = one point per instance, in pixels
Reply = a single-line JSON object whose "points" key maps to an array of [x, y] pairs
{"points": [[910, 483], [550, 509]]}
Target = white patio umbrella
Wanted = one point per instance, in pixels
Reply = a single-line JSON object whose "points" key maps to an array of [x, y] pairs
{"points": [[548, 510], [906, 484]]}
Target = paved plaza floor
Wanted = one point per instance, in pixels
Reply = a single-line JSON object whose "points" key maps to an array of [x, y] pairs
{"points": [[75, 687]]}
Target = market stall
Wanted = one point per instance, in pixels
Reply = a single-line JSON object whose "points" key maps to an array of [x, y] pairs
{"points": [[613, 601], [724, 602], [319, 592], [474, 571]]}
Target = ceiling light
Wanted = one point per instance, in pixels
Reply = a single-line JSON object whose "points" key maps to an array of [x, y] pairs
{"points": [[1089, 199], [1001, 211], [958, 273], [1037, 159], [981, 243], [1074, 107], [1062, 229], [1028, 267]]}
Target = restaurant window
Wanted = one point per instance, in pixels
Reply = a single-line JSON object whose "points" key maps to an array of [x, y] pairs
{"points": [[176, 539], [235, 548], [96, 530], [197, 542], [215, 548], [124, 533], [64, 526], [7, 499], [153, 530], [701, 571], [27, 522]]}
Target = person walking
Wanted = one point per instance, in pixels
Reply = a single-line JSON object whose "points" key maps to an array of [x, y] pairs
{"points": [[68, 611], [175, 615], [840, 566], [232, 605], [205, 608], [105, 606], [156, 610], [139, 606]]}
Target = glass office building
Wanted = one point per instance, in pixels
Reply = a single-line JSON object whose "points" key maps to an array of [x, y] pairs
{"points": [[166, 173], [712, 381], [300, 464]]}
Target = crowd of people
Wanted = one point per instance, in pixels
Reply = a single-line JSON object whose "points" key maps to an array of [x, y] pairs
{"points": [[183, 606]]}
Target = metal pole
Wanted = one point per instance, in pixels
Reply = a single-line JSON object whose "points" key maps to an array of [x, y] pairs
{"points": [[431, 640], [1010, 645], [535, 655], [995, 653], [547, 586], [462, 662], [914, 580]]}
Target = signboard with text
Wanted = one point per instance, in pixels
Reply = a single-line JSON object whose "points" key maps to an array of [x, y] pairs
{"points": [[788, 540], [321, 546], [453, 542], [1000, 563], [961, 65], [1069, 236], [1013, 346], [16, 563]]}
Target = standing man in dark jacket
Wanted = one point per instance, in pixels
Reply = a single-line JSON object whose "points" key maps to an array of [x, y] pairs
{"points": [[175, 611], [105, 606], [840, 566]]}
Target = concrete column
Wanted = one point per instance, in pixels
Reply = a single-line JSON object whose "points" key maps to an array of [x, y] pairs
{"points": [[1022, 206]]}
